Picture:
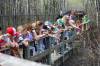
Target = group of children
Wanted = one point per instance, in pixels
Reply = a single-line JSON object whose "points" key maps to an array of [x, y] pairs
{"points": [[34, 35]]}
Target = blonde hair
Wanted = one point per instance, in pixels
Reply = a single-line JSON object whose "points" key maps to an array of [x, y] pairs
{"points": [[20, 28], [33, 25], [27, 27], [37, 26]]}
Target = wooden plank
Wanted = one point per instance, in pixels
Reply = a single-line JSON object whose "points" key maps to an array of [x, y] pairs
{"points": [[6, 60]]}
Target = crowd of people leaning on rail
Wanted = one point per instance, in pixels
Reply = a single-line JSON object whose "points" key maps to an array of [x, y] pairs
{"points": [[37, 31]]}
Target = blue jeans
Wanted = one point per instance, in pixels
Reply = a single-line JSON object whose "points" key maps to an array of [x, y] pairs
{"points": [[32, 50], [40, 46], [52, 41], [66, 35]]}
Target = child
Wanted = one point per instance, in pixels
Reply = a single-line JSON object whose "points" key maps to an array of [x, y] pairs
{"points": [[29, 48], [20, 39], [31, 40], [25, 36], [11, 34], [39, 35], [20, 31]]}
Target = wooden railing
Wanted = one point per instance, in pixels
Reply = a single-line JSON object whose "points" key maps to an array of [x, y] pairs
{"points": [[48, 57]]}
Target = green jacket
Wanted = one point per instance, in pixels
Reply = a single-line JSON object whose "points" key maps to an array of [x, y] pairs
{"points": [[85, 19]]}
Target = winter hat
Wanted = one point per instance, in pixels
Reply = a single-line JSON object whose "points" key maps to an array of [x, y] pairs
{"points": [[11, 31]]}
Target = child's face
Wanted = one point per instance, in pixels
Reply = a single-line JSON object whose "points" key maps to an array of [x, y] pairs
{"points": [[24, 32], [20, 29]]}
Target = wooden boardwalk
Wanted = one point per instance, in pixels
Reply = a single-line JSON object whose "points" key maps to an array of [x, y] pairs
{"points": [[6, 60]]}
